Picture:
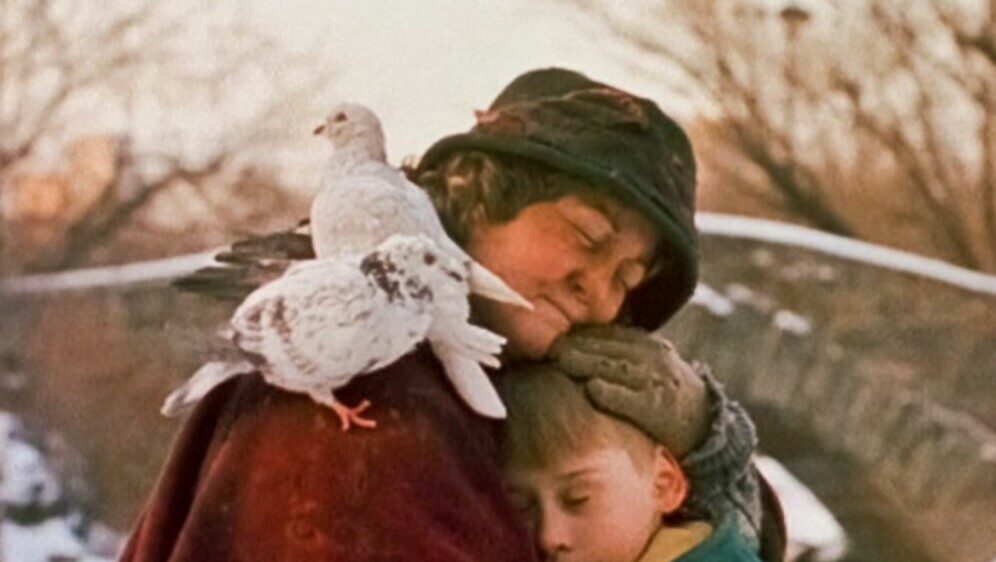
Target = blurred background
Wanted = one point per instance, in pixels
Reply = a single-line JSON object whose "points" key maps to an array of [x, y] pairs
{"points": [[854, 313]]}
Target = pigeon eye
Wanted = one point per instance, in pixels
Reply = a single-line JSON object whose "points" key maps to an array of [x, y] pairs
{"points": [[339, 117], [429, 259]]}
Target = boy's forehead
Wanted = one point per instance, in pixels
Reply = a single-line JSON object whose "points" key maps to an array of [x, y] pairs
{"points": [[592, 446], [594, 461]]}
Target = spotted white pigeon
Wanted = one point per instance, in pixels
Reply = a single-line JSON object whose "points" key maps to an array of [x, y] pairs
{"points": [[363, 200], [328, 320]]}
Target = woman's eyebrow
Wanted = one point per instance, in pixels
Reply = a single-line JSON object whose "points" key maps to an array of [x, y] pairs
{"points": [[601, 208]]}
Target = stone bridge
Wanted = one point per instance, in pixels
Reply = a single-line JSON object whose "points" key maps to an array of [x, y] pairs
{"points": [[876, 387]]}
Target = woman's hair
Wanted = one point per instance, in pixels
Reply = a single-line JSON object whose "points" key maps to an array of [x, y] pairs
{"points": [[471, 186], [549, 417]]}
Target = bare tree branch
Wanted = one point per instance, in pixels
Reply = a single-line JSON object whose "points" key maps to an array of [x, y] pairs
{"points": [[781, 82], [104, 220], [176, 59]]}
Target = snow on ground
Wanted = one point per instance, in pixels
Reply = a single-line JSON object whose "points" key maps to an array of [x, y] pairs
{"points": [[812, 529], [707, 297], [26, 477], [40, 524], [50, 540], [742, 294], [791, 322]]}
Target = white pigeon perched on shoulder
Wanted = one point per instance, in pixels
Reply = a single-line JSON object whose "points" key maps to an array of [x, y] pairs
{"points": [[326, 321], [363, 200]]}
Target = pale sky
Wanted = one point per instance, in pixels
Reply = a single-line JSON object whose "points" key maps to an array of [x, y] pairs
{"points": [[424, 65]]}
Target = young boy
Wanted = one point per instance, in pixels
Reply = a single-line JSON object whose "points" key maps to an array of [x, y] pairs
{"points": [[593, 487]]}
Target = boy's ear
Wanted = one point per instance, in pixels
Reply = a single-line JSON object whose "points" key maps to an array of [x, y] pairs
{"points": [[670, 484]]}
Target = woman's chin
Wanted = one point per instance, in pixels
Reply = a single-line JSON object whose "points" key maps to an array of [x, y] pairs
{"points": [[530, 347], [529, 334]]}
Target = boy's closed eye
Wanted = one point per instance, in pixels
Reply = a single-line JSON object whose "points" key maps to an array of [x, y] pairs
{"points": [[574, 500], [579, 491]]}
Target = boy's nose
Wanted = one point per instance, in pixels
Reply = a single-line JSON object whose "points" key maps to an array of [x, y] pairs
{"points": [[554, 534]]}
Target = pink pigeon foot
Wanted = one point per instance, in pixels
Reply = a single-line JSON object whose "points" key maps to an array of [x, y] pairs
{"points": [[352, 415]]}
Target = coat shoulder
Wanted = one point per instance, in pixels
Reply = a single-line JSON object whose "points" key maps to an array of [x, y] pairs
{"points": [[260, 471]]}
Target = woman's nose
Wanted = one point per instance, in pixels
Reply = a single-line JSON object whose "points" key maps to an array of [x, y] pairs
{"points": [[595, 289]]}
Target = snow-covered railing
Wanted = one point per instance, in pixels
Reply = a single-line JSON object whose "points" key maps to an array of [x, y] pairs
{"points": [[154, 271], [748, 228], [713, 224]]}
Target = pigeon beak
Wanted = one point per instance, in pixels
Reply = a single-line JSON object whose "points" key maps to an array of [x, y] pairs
{"points": [[319, 130], [490, 286]]}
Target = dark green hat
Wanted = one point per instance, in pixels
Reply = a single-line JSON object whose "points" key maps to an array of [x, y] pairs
{"points": [[619, 143]]}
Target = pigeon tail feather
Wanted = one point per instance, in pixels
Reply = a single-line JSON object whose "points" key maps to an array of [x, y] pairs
{"points": [[471, 337], [471, 383], [206, 378]]}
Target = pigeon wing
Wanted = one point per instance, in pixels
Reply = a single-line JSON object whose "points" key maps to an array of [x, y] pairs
{"points": [[324, 323], [209, 376], [249, 264]]}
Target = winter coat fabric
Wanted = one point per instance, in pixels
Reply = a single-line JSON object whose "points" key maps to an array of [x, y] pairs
{"points": [[261, 474]]}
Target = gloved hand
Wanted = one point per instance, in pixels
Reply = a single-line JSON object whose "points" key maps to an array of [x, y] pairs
{"points": [[639, 376]]}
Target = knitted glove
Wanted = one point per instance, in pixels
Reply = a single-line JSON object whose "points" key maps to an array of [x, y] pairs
{"points": [[639, 377], [721, 471]]}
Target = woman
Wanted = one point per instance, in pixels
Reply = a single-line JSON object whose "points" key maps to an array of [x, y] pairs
{"points": [[581, 197]]}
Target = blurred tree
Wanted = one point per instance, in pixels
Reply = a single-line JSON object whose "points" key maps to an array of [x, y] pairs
{"points": [[179, 93], [867, 118]]}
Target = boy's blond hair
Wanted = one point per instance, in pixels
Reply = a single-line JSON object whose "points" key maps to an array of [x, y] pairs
{"points": [[549, 417]]}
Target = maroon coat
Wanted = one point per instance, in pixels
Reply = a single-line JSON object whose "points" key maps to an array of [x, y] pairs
{"points": [[262, 474]]}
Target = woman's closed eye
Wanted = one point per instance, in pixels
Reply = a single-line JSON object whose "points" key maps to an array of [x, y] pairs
{"points": [[591, 226], [585, 238]]}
